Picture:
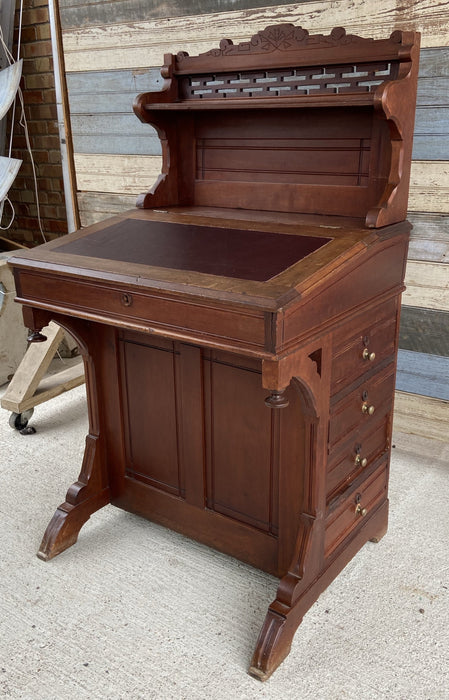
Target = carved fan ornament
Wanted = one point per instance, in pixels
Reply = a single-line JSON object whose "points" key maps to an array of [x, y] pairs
{"points": [[286, 37]]}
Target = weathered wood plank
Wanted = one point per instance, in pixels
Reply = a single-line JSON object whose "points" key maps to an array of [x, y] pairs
{"points": [[93, 12], [433, 87], [122, 144], [142, 44], [427, 285], [429, 239], [424, 331], [130, 81], [31, 370], [50, 386], [418, 415], [105, 103], [433, 91], [98, 206], [96, 129], [429, 186], [114, 91], [124, 134], [434, 63], [432, 120], [118, 124], [431, 147], [116, 173], [123, 141], [418, 373], [111, 93]]}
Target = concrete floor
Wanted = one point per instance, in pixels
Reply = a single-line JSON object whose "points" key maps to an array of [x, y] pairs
{"points": [[135, 612]]}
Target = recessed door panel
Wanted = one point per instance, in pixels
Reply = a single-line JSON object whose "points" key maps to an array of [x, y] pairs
{"points": [[241, 460], [151, 420]]}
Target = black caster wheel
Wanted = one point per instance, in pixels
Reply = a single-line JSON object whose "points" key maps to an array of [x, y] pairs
{"points": [[19, 421]]}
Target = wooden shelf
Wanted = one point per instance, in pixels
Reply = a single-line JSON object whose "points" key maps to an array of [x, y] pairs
{"points": [[354, 99]]}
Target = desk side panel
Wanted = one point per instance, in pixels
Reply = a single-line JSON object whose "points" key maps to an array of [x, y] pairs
{"points": [[376, 274]]}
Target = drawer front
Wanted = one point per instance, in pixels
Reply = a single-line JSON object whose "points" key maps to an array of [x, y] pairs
{"points": [[126, 307], [362, 407], [352, 511], [356, 456], [356, 352]]}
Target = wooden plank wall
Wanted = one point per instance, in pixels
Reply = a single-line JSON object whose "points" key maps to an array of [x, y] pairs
{"points": [[112, 51]]}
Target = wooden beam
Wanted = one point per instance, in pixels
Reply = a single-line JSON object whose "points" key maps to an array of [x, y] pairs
{"points": [[49, 388], [31, 370]]}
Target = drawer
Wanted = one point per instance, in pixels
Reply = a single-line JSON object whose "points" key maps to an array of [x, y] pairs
{"points": [[362, 407], [356, 456], [128, 307], [352, 511], [356, 351]]}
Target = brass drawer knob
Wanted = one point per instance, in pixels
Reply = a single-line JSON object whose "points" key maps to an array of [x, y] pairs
{"points": [[361, 461], [369, 410], [360, 511], [367, 355]]}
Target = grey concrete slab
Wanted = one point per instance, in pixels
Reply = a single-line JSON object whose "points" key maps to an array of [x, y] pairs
{"points": [[135, 612]]}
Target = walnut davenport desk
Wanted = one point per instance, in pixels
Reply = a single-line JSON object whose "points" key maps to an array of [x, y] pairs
{"points": [[239, 327]]}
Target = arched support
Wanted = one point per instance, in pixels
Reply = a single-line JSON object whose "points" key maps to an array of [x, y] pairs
{"points": [[308, 370], [392, 100], [304, 364], [164, 191], [91, 491], [83, 498]]}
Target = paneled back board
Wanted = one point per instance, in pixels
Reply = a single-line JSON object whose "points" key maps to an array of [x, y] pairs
{"points": [[113, 51]]}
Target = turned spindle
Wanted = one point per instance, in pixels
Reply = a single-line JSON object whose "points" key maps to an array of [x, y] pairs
{"points": [[276, 399]]}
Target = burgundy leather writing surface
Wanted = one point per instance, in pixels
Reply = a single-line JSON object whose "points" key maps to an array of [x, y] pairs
{"points": [[251, 255]]}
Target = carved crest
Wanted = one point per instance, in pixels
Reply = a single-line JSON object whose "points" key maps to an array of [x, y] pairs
{"points": [[284, 37]]}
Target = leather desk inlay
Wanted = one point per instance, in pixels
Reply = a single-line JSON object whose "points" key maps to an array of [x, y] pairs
{"points": [[250, 255], [240, 326]]}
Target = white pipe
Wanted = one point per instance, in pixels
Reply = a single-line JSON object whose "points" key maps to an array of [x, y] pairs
{"points": [[71, 205]]}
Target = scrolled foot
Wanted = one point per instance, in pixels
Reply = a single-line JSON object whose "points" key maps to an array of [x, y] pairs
{"points": [[64, 527], [273, 645], [59, 535]]}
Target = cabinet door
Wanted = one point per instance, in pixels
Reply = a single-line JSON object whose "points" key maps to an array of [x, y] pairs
{"points": [[242, 470], [205, 456], [150, 374]]}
